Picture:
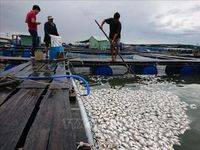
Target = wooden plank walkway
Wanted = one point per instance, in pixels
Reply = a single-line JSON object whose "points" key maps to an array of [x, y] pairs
{"points": [[50, 129], [164, 56], [14, 115], [25, 69], [6, 58], [38, 115]]}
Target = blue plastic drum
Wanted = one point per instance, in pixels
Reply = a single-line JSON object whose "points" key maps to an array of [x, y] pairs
{"points": [[144, 70], [150, 70], [103, 70], [26, 53], [186, 70]]}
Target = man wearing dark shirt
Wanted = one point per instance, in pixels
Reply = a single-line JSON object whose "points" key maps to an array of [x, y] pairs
{"points": [[32, 26], [115, 34], [49, 29]]}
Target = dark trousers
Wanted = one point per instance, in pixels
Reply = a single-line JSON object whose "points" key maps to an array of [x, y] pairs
{"points": [[34, 35]]}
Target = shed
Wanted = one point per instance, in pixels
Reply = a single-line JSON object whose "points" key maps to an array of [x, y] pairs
{"points": [[26, 40], [100, 43]]}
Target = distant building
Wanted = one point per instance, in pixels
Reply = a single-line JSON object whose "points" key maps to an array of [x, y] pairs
{"points": [[97, 42], [100, 43], [17, 39], [26, 40]]}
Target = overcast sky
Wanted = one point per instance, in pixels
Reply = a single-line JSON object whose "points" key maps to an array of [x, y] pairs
{"points": [[143, 21]]}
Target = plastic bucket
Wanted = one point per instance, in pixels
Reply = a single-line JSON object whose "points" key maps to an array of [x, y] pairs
{"points": [[54, 51]]}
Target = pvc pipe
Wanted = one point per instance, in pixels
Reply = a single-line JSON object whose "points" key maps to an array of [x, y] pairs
{"points": [[57, 77], [85, 119]]}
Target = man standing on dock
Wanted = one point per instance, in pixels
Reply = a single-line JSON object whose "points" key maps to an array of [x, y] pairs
{"points": [[49, 29], [115, 34], [32, 27]]}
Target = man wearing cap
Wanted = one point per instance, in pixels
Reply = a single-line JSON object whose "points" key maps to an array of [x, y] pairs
{"points": [[49, 29], [32, 26]]}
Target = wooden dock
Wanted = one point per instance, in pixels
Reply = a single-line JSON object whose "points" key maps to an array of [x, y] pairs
{"points": [[39, 115], [82, 62], [95, 62]]}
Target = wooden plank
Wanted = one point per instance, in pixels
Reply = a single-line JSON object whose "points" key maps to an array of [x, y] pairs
{"points": [[78, 126], [4, 94], [14, 70], [14, 115], [17, 110], [94, 62], [39, 72], [52, 127], [79, 129], [39, 84], [61, 83], [14, 58], [26, 71]]}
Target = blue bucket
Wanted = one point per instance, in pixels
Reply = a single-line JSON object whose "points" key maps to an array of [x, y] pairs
{"points": [[53, 52]]}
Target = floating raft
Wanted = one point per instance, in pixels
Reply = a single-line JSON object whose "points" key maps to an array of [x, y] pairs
{"points": [[39, 115], [140, 67], [96, 61]]}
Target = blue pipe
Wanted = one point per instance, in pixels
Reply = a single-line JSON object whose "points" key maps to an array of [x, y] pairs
{"points": [[57, 77]]}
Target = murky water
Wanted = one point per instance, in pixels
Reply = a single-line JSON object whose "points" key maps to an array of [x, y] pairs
{"points": [[187, 88]]}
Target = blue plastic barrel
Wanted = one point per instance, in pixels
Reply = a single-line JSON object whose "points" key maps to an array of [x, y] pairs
{"points": [[186, 70], [7, 53], [150, 70], [53, 52], [103, 70], [181, 70], [26, 53], [144, 69]]}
